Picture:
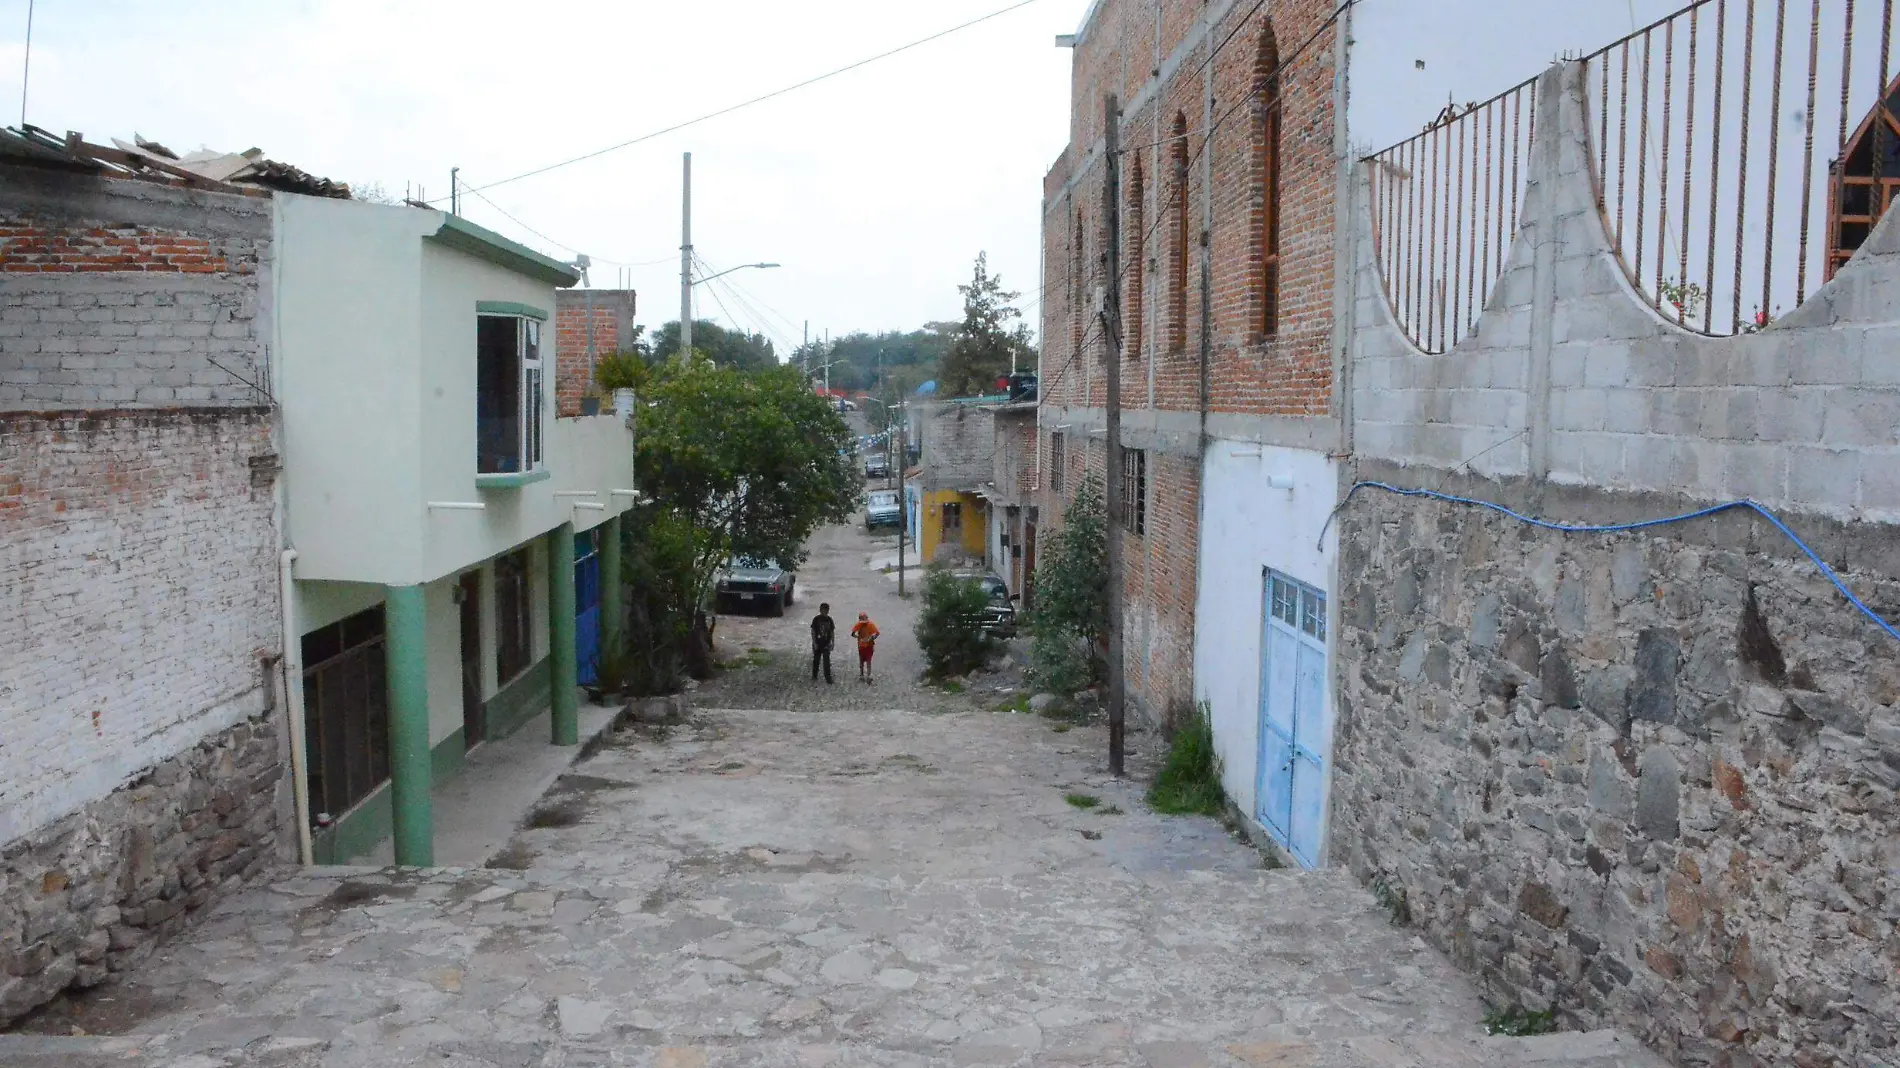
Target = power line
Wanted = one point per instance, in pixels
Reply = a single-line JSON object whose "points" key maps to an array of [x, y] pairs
{"points": [[758, 99], [560, 244]]}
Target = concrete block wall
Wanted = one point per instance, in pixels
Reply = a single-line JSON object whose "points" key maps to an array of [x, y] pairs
{"points": [[959, 445], [1646, 779], [1601, 390], [121, 294]]}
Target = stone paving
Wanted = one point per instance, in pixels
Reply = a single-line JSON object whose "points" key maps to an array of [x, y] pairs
{"points": [[803, 883]]}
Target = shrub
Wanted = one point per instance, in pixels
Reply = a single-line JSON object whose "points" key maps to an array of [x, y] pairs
{"points": [[1058, 661], [950, 628], [1189, 783]]}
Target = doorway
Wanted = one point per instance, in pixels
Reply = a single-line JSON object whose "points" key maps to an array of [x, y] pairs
{"points": [[587, 606], [1295, 718], [468, 595]]}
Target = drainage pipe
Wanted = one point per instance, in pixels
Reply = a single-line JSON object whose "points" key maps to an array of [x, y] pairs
{"points": [[292, 662]]}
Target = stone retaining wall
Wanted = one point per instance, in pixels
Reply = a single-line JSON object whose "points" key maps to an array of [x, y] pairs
{"points": [[95, 892], [1647, 779]]}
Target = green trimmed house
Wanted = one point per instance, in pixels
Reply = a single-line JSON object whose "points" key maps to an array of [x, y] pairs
{"points": [[435, 508]]}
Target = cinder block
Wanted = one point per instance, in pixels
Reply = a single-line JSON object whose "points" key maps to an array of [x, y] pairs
{"points": [[1607, 365], [1860, 417], [1791, 414], [1825, 478], [1824, 357], [1757, 471], [1627, 410]]}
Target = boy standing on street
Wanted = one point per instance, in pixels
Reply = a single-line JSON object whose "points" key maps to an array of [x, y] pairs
{"points": [[866, 633], [824, 632]]}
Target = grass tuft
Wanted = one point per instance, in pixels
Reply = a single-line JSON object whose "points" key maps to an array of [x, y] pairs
{"points": [[1189, 783], [1082, 801], [1519, 1022]]}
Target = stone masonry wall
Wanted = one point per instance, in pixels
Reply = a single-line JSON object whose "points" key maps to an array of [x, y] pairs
{"points": [[119, 294], [959, 445], [94, 893], [1647, 779]]}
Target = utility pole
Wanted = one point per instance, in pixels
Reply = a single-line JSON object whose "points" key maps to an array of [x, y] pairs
{"points": [[903, 504], [686, 258], [1112, 333], [455, 184]]}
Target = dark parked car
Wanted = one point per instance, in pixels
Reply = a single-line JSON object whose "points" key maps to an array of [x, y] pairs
{"points": [[877, 465], [999, 619], [881, 510], [760, 585]]}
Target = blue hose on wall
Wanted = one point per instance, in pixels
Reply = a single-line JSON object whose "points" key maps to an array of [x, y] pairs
{"points": [[1616, 528]]}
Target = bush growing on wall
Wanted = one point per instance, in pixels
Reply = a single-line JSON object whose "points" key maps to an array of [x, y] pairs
{"points": [[950, 627]]}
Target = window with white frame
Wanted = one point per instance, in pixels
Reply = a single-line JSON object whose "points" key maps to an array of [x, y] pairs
{"points": [[508, 394]]}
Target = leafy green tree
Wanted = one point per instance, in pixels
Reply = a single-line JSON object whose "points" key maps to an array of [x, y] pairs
{"points": [[985, 343], [950, 626], [725, 348], [1071, 617], [750, 463]]}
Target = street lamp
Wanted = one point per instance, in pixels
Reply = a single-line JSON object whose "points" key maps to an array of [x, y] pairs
{"points": [[686, 304]]}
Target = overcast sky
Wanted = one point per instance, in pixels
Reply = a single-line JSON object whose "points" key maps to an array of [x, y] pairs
{"points": [[875, 189]]}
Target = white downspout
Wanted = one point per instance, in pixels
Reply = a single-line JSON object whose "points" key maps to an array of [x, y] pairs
{"points": [[293, 701]]}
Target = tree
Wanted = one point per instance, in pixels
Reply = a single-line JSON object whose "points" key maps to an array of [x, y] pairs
{"points": [[725, 348], [1071, 617], [748, 463], [985, 343]]}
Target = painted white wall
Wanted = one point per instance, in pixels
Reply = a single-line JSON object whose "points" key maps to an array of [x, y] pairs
{"points": [[320, 604], [1245, 527], [375, 369]]}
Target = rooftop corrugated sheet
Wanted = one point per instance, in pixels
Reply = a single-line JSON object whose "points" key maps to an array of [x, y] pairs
{"points": [[242, 172]]}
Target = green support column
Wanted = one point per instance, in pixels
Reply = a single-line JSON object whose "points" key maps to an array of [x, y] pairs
{"points": [[566, 677], [610, 610], [405, 628]]}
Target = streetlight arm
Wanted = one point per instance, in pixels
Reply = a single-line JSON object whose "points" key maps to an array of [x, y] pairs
{"points": [[729, 270]]}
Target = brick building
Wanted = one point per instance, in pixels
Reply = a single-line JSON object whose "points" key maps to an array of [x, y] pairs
{"points": [[143, 743], [1229, 184]]}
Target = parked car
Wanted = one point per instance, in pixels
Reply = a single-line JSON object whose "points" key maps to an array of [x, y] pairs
{"points": [[882, 510], [999, 619], [755, 584], [877, 465]]}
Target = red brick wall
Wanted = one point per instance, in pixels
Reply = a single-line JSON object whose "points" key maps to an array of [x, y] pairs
{"points": [[29, 248], [611, 312], [1248, 372]]}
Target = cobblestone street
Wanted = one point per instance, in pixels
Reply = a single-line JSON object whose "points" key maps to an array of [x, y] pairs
{"points": [[849, 875]]}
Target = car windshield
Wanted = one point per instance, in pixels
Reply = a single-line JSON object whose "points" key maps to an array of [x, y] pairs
{"points": [[749, 563], [884, 500]]}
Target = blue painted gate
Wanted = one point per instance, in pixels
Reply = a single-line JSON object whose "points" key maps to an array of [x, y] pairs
{"points": [[1295, 719], [587, 605]]}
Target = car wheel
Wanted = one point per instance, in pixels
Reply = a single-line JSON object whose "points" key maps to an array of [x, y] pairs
{"points": [[791, 594], [778, 607]]}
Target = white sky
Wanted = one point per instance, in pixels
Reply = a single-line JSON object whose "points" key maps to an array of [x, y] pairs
{"points": [[875, 190]]}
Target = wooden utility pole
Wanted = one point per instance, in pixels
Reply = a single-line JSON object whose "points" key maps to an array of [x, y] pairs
{"points": [[1110, 311]]}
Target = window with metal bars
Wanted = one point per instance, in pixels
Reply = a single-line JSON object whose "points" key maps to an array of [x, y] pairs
{"points": [[1135, 491], [346, 713], [1058, 461]]}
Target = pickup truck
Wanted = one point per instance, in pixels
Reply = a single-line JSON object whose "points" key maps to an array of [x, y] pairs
{"points": [[881, 510], [999, 618], [756, 584]]}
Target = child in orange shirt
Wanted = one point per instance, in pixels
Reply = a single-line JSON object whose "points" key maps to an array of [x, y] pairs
{"points": [[866, 633]]}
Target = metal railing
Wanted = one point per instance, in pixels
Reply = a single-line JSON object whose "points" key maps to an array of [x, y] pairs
{"points": [[1704, 126], [1445, 207]]}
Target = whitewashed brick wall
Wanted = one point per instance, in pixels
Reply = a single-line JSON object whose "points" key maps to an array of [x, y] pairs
{"points": [[137, 597]]}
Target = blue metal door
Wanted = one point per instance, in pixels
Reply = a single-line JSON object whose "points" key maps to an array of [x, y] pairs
{"points": [[1295, 719], [587, 605]]}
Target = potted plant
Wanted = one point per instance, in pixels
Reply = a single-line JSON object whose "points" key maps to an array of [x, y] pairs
{"points": [[590, 401], [620, 374]]}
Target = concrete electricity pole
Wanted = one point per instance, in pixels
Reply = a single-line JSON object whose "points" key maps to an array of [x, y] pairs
{"points": [[903, 502], [686, 259], [1111, 318]]}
